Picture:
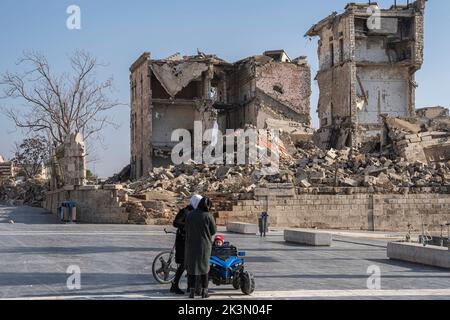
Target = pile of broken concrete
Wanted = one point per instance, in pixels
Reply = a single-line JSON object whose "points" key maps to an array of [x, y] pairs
{"points": [[379, 172], [29, 192], [156, 198], [412, 157]]}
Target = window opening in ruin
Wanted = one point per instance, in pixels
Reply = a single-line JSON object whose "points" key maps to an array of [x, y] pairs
{"points": [[158, 91], [341, 50], [191, 91], [332, 54], [278, 88], [405, 28], [142, 86], [332, 113], [361, 27], [213, 94]]}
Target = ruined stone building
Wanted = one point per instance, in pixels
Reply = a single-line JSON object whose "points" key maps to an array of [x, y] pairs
{"points": [[368, 58], [75, 160], [69, 163], [172, 93]]}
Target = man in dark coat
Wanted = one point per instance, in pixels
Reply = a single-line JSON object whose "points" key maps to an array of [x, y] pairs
{"points": [[200, 228], [179, 223]]}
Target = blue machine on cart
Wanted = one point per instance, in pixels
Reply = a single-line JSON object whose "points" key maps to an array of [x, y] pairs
{"points": [[228, 268]]}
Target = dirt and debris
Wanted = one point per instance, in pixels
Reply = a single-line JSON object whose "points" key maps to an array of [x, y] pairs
{"points": [[30, 192], [156, 198], [424, 138]]}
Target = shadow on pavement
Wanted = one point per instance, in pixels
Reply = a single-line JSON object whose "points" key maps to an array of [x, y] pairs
{"points": [[412, 266], [27, 215], [347, 276], [99, 280], [76, 250]]}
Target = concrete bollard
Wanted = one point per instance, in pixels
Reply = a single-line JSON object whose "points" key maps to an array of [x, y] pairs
{"points": [[242, 228], [417, 253], [310, 238]]}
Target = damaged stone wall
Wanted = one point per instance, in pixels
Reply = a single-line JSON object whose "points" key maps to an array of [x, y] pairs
{"points": [[140, 117], [168, 94], [392, 87], [289, 84], [367, 71], [271, 89], [74, 160], [95, 204], [287, 207]]}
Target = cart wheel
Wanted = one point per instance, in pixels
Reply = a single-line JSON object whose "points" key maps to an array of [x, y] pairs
{"points": [[164, 268], [247, 283], [236, 281]]}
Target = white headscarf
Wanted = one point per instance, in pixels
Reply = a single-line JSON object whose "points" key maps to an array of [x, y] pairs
{"points": [[195, 200]]}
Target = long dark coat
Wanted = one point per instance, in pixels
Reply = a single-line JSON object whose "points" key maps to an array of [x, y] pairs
{"points": [[200, 228], [180, 240]]}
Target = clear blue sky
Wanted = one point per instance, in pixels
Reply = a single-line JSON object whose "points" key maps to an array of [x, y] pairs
{"points": [[117, 32]]}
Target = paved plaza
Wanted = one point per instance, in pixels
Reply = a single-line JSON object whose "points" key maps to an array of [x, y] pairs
{"points": [[115, 263]]}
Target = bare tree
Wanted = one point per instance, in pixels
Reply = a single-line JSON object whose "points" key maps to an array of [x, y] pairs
{"points": [[59, 105]]}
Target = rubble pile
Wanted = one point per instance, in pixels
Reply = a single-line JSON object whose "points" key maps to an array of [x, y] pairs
{"points": [[189, 178], [123, 175], [423, 139], [153, 208], [30, 192], [380, 172], [156, 198], [412, 157]]}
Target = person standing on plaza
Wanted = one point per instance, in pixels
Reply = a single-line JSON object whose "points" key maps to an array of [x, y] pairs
{"points": [[180, 240], [200, 228]]}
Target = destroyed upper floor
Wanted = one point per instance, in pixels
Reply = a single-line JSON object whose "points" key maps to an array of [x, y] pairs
{"points": [[368, 58], [368, 34], [209, 80]]}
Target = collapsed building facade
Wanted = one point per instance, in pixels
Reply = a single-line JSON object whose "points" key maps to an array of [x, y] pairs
{"points": [[368, 58], [173, 93]]}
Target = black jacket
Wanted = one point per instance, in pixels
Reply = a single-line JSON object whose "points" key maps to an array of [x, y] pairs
{"points": [[179, 223], [200, 227]]}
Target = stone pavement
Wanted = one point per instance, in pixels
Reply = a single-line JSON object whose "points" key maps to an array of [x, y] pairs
{"points": [[115, 263]]}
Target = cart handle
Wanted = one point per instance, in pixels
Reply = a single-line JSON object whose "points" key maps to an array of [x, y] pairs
{"points": [[169, 232]]}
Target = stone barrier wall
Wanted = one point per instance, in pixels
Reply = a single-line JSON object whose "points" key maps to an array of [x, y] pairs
{"points": [[362, 211], [95, 204]]}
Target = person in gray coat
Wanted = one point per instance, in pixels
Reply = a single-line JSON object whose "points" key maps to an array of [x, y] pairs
{"points": [[180, 242], [200, 228]]}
